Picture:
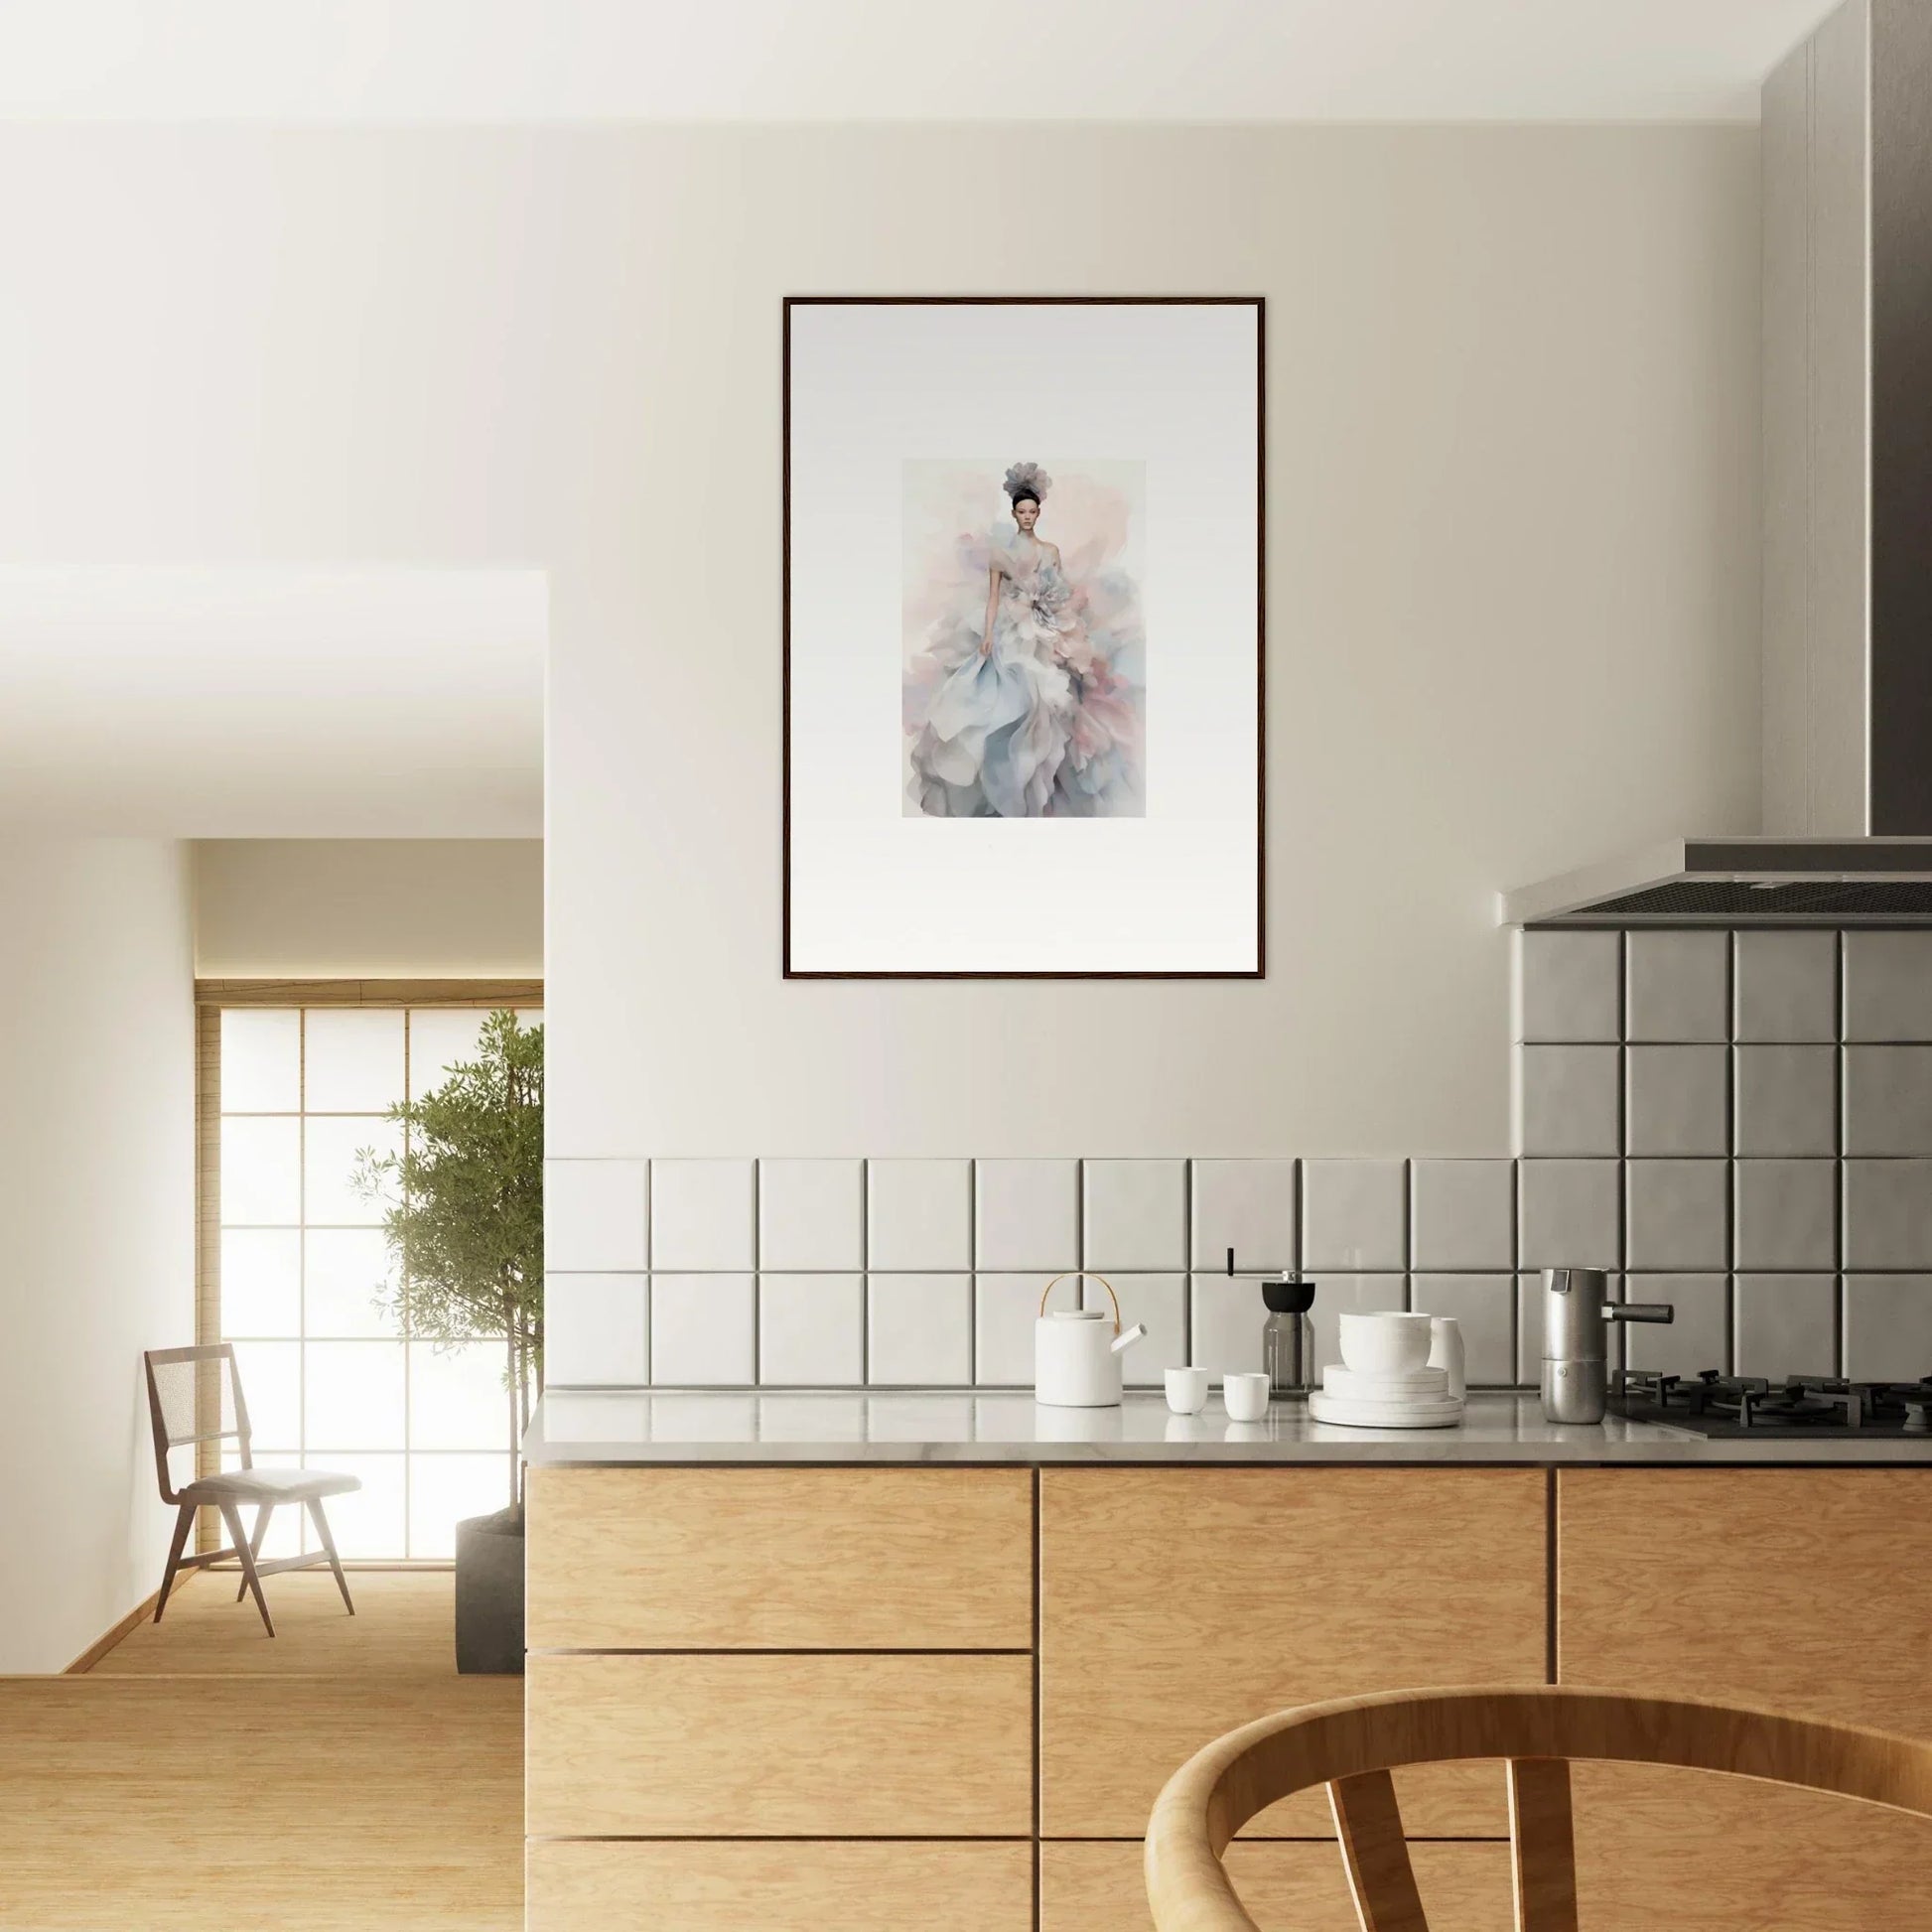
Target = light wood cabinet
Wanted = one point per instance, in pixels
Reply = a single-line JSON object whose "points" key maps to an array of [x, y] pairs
{"points": [[724, 1559], [812, 1746], [1177, 1604], [787, 1887], [1099, 1887], [1808, 1590], [807, 1698]]}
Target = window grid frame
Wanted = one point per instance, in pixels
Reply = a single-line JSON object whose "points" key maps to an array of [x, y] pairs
{"points": [[214, 998]]}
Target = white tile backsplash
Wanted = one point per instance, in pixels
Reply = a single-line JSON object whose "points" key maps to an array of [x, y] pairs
{"points": [[811, 1329], [1227, 1319], [595, 1330], [1484, 1308], [1246, 1205], [595, 1215], [1462, 1215], [1762, 1101], [919, 1214], [920, 1330], [811, 1215], [1160, 1303], [703, 1330], [1005, 1309], [1028, 1214], [1135, 1213], [1354, 1215], [703, 1215]]}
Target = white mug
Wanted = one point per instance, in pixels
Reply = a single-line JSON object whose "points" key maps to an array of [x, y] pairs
{"points": [[1445, 1351], [1186, 1390], [1246, 1395]]}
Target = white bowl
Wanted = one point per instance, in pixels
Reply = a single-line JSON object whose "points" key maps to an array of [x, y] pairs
{"points": [[1383, 1343]]}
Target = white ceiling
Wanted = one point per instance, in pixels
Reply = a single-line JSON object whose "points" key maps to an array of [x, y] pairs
{"points": [[258, 703], [892, 60]]}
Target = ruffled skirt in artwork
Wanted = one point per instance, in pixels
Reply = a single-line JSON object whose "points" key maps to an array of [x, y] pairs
{"points": [[990, 730]]}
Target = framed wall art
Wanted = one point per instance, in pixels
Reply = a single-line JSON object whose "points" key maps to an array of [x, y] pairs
{"points": [[1023, 637]]}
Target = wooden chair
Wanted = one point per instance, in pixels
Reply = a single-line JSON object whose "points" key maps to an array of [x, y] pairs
{"points": [[195, 1396], [1351, 1745]]}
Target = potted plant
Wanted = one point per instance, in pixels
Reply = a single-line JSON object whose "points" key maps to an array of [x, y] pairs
{"points": [[462, 1214]]}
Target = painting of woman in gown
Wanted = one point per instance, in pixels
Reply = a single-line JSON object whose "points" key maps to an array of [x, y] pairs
{"points": [[1025, 679]]}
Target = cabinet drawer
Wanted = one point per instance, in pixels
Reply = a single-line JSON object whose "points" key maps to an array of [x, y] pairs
{"points": [[1099, 1887], [1176, 1604], [1807, 1591], [833, 1746], [797, 1886], [780, 1559]]}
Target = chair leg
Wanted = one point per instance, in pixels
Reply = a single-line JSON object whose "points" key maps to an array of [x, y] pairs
{"points": [[329, 1544], [231, 1515], [183, 1522], [262, 1513]]}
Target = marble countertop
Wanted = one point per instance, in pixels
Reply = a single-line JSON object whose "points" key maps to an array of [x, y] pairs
{"points": [[965, 1426]]}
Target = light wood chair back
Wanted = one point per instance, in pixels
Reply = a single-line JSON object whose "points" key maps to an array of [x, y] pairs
{"points": [[1351, 1746]]}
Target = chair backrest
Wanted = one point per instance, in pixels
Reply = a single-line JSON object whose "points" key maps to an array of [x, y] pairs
{"points": [[1352, 1745], [193, 1395]]}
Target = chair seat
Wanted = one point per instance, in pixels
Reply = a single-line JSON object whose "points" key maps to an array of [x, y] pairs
{"points": [[270, 1486]]}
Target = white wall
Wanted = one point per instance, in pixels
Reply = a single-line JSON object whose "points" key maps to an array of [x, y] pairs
{"points": [[1512, 557], [398, 909], [98, 1201]]}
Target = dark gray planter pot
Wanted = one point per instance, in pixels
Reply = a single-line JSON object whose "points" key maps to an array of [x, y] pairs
{"points": [[489, 1593]]}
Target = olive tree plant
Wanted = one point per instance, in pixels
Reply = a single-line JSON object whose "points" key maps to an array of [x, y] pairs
{"points": [[462, 1207]]}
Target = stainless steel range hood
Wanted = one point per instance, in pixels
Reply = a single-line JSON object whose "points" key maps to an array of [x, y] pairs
{"points": [[1846, 683], [1731, 881]]}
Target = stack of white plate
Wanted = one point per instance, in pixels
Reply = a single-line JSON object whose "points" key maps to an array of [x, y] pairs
{"points": [[1382, 1381]]}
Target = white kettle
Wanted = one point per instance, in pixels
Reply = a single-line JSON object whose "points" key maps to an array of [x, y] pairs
{"points": [[1077, 1351]]}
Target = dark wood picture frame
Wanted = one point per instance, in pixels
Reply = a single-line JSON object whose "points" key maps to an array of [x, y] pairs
{"points": [[1255, 302]]}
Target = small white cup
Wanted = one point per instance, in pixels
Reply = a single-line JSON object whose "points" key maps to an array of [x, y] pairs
{"points": [[1186, 1390], [1246, 1395]]}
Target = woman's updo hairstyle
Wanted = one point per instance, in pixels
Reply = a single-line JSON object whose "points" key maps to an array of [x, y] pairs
{"points": [[1026, 482]]}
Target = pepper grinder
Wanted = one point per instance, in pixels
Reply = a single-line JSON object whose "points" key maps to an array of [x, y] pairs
{"points": [[1288, 1335]]}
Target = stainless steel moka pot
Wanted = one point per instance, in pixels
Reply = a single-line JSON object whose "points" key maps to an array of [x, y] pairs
{"points": [[1576, 1317]]}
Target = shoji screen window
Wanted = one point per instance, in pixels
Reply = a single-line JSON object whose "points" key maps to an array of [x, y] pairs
{"points": [[308, 1293]]}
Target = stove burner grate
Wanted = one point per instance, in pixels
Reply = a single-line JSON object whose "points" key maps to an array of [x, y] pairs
{"points": [[1799, 1402]]}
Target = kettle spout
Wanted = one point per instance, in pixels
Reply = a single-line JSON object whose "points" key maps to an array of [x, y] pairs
{"points": [[1137, 1333]]}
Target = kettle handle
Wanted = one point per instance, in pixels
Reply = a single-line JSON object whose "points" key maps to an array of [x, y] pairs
{"points": [[1077, 1275]]}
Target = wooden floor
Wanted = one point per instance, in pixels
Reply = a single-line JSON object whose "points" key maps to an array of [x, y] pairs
{"points": [[337, 1777]]}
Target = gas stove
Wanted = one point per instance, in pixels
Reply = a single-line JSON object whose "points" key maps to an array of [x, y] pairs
{"points": [[1717, 1405]]}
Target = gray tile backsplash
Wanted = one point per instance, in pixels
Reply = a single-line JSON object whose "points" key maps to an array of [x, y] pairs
{"points": [[1785, 1101], [1784, 987], [1887, 985], [1677, 985], [1462, 1215], [1567, 1100], [1740, 1121], [1569, 986], [1676, 1215], [1676, 1100]]}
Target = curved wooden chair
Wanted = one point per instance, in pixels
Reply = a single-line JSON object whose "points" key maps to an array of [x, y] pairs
{"points": [[1351, 1745]]}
